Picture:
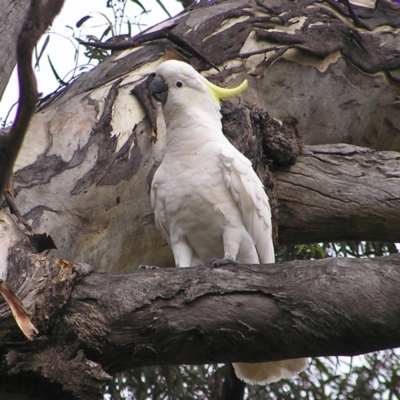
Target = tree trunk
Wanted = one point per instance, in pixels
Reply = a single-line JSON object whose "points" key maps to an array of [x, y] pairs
{"points": [[85, 169], [12, 17], [104, 323], [330, 73]]}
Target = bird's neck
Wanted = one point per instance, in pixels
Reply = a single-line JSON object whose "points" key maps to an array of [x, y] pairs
{"points": [[191, 129]]}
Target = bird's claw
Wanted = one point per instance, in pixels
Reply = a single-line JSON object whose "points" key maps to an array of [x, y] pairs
{"points": [[83, 269], [147, 267], [219, 262]]}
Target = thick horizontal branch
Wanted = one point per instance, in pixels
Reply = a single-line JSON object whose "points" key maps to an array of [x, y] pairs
{"points": [[340, 192], [106, 323], [247, 313]]}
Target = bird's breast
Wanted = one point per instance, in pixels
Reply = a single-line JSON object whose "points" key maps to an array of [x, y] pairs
{"points": [[195, 192], [198, 204]]}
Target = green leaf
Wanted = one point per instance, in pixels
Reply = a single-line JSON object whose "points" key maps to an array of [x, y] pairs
{"points": [[105, 33], [59, 80], [129, 30], [137, 2], [38, 57], [82, 21], [159, 2]]}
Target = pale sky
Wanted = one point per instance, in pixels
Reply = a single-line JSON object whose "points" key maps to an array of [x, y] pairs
{"points": [[62, 51]]}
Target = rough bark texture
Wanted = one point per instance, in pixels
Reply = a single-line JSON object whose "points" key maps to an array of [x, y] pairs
{"points": [[340, 192], [102, 323], [12, 16], [52, 366], [330, 73], [87, 163], [231, 306], [39, 18]]}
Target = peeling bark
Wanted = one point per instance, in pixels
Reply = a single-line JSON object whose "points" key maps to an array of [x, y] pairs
{"points": [[84, 173], [102, 323], [39, 18], [54, 367], [87, 162]]}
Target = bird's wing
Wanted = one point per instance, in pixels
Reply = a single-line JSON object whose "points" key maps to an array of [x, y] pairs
{"points": [[158, 204], [248, 192]]}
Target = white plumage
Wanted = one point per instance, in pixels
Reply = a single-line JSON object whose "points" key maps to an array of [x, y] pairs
{"points": [[208, 201]]}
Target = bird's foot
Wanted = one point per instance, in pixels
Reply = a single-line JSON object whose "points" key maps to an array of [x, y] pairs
{"points": [[147, 267], [219, 262], [83, 269]]}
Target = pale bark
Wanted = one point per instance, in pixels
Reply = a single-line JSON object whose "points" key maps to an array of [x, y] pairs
{"points": [[83, 177], [85, 170], [39, 17]]}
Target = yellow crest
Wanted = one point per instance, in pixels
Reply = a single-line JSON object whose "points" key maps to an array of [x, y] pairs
{"points": [[223, 93]]}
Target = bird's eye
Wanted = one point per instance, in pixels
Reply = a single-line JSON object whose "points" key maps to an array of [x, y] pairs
{"points": [[179, 84]]}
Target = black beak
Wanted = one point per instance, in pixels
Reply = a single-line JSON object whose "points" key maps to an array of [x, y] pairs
{"points": [[159, 89]]}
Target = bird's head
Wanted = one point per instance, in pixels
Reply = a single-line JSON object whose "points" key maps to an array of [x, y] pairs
{"points": [[178, 84]]}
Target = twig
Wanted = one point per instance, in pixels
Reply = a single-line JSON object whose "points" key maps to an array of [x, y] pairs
{"points": [[261, 51], [128, 44], [38, 19], [276, 55], [149, 37], [141, 91], [353, 15]]}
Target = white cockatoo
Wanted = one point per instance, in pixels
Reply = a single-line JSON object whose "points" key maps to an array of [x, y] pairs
{"points": [[208, 202]]}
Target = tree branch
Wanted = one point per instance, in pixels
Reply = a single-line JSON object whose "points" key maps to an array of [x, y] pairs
{"points": [[274, 312], [111, 166], [40, 16], [92, 327], [250, 313], [12, 18], [340, 192]]}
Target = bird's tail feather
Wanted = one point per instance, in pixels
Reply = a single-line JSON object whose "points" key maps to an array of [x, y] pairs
{"points": [[263, 373]]}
